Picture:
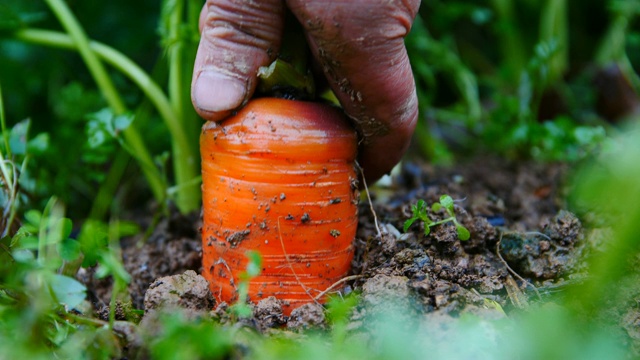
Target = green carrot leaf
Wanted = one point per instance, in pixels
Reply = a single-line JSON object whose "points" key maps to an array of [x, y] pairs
{"points": [[447, 202], [408, 223], [463, 233]]}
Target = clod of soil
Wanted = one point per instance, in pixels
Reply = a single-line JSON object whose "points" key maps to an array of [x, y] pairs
{"points": [[189, 291], [307, 316], [268, 313], [383, 293], [547, 254]]}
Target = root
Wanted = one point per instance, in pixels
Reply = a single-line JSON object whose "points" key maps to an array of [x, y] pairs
{"points": [[336, 284], [223, 262], [366, 190]]}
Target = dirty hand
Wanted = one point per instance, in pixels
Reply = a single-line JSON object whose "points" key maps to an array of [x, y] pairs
{"points": [[358, 44]]}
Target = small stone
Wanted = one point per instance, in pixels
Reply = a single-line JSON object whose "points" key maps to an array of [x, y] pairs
{"points": [[188, 291]]}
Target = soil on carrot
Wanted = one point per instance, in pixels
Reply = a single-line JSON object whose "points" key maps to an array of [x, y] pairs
{"points": [[524, 245]]}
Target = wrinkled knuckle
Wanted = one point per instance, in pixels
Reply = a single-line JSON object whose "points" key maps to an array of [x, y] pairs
{"points": [[242, 23]]}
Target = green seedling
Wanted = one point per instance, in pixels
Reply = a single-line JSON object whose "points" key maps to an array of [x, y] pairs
{"points": [[420, 213], [240, 308]]}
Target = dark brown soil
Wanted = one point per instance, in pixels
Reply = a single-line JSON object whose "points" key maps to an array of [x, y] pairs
{"points": [[521, 237]]}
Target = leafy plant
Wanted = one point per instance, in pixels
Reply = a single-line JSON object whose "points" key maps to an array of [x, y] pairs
{"points": [[420, 212], [180, 36], [39, 294]]}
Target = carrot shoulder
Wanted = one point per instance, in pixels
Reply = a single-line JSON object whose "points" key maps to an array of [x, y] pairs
{"points": [[279, 178]]}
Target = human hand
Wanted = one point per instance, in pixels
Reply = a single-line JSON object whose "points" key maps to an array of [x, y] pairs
{"points": [[358, 44]]}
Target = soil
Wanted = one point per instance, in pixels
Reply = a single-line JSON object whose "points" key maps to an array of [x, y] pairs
{"points": [[524, 245]]}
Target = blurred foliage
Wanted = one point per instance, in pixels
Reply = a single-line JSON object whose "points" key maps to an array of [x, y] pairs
{"points": [[61, 96], [58, 95], [524, 79]]}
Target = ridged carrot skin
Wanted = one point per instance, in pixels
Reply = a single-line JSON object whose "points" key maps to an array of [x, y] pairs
{"points": [[279, 178]]}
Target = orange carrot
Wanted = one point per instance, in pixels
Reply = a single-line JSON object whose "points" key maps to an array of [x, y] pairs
{"points": [[278, 178]]}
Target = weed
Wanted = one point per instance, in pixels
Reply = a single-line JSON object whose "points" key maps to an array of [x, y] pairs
{"points": [[420, 213]]}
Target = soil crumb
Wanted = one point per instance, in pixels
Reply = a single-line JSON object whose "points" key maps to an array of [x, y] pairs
{"points": [[306, 316], [268, 313], [188, 291]]}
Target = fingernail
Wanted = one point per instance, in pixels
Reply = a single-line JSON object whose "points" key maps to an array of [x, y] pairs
{"points": [[216, 92]]}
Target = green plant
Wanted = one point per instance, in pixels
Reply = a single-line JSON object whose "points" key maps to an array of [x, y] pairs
{"points": [[182, 337], [40, 297], [420, 212], [241, 309], [179, 36]]}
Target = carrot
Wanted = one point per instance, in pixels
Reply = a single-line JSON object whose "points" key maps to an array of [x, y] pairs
{"points": [[279, 178]]}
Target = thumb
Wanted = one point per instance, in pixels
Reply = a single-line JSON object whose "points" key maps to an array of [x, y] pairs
{"points": [[237, 38]]}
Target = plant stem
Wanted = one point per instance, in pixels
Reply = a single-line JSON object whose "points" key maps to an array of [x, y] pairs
{"points": [[135, 74], [289, 73], [511, 40], [175, 59], [104, 196], [442, 221], [97, 70], [187, 196], [8, 176], [612, 46], [75, 31], [44, 230], [553, 26], [113, 58]]}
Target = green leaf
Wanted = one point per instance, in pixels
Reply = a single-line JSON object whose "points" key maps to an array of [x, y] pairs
{"points": [[68, 291], [427, 230], [127, 228], [436, 207], [418, 209], [446, 201], [408, 224], [112, 265], [463, 233], [18, 137], [339, 308], [67, 227], [104, 126], [39, 144], [121, 123], [33, 218], [93, 241], [23, 255], [28, 242], [69, 249]]}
